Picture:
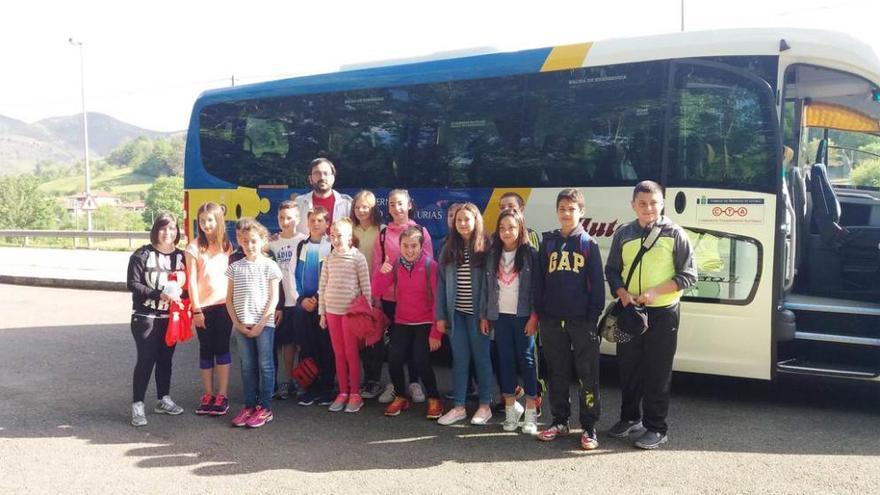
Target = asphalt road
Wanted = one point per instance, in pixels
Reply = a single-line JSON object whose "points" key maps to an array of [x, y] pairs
{"points": [[65, 379]]}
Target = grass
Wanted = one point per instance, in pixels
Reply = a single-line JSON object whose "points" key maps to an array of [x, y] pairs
{"points": [[120, 181]]}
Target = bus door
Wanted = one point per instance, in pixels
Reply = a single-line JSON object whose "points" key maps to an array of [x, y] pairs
{"points": [[721, 180]]}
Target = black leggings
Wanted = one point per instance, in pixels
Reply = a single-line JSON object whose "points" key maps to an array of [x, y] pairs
{"points": [[149, 337], [214, 338], [409, 344]]}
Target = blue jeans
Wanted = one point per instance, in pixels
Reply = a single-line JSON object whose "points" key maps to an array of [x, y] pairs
{"points": [[468, 342], [515, 350], [257, 367]]}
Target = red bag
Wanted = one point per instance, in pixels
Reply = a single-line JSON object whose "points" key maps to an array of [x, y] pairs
{"points": [[305, 373], [360, 321], [179, 323]]}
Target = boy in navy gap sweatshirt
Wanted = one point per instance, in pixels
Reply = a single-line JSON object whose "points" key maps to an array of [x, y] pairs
{"points": [[570, 298]]}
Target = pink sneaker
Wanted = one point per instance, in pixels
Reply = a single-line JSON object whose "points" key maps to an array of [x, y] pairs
{"points": [[260, 417], [242, 417], [339, 404], [355, 403]]}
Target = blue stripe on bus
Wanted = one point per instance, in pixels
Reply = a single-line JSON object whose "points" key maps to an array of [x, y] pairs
{"points": [[475, 67], [431, 206]]}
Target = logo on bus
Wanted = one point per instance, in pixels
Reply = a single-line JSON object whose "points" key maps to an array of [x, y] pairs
{"points": [[599, 229], [730, 211]]}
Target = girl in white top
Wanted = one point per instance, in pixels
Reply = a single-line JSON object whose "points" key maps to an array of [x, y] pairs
{"points": [[251, 297]]}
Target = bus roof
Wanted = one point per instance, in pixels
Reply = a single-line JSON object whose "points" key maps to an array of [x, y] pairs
{"points": [[825, 48]]}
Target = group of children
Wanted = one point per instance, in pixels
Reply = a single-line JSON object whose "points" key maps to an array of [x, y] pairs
{"points": [[284, 299]]}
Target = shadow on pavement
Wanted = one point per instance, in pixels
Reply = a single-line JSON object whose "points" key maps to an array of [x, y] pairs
{"points": [[74, 381]]}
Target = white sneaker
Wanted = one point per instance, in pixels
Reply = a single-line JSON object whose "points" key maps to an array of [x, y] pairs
{"points": [[512, 415], [387, 395], [452, 416], [416, 394], [167, 406], [530, 422], [138, 415]]}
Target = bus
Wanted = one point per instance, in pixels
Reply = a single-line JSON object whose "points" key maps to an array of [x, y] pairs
{"points": [[766, 141]]}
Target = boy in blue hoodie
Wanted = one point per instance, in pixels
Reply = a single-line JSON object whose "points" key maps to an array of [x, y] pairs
{"points": [[569, 299]]}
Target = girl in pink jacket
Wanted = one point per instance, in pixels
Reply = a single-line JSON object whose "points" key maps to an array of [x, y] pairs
{"points": [[386, 249], [413, 276]]}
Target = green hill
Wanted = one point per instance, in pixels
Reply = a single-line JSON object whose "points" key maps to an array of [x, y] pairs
{"points": [[123, 181]]}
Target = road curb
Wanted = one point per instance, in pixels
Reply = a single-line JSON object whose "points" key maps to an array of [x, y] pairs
{"points": [[105, 285]]}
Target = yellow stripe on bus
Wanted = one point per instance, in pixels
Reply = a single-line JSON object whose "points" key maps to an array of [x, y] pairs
{"points": [[236, 203], [566, 57], [490, 216]]}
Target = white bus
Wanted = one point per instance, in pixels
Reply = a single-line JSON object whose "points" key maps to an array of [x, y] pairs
{"points": [[766, 141]]}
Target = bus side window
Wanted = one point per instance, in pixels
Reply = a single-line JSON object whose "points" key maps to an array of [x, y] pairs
{"points": [[722, 131]]}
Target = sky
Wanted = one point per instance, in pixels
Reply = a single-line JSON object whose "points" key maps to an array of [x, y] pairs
{"points": [[146, 62]]}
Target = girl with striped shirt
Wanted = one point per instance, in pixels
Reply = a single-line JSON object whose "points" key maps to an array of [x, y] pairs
{"points": [[251, 297], [344, 276], [459, 294]]}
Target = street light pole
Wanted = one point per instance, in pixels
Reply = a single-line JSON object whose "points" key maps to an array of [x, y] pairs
{"points": [[682, 16], [82, 79]]}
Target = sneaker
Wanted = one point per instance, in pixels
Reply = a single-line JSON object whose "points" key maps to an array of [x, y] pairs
{"points": [[481, 418], [512, 415], [416, 393], [371, 390], [589, 441], [650, 440], [355, 403], [167, 406], [452, 416], [220, 406], [554, 431], [435, 409], [206, 403], [306, 399], [325, 399], [387, 395], [339, 404], [138, 415], [623, 429], [397, 405], [530, 422], [260, 417], [242, 417], [283, 392]]}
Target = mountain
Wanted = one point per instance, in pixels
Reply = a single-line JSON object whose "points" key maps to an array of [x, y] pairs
{"points": [[59, 140]]}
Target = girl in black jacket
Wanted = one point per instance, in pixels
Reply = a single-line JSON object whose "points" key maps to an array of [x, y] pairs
{"points": [[148, 273]]}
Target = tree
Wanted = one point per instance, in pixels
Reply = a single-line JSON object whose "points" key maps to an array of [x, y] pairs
{"points": [[133, 153], [109, 217], [166, 194], [22, 205]]}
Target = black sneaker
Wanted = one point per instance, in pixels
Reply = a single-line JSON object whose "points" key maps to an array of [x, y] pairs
{"points": [[371, 390], [650, 440], [325, 399], [589, 441], [306, 399], [220, 406], [623, 429]]}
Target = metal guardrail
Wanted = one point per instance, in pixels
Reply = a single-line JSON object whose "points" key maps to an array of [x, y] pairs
{"points": [[76, 235]]}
